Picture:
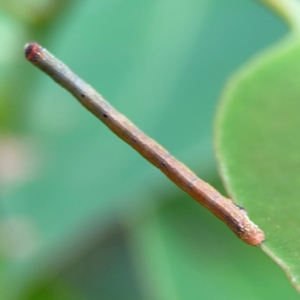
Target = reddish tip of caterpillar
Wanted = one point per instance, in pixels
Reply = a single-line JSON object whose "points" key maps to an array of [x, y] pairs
{"points": [[258, 239], [254, 237], [31, 50]]}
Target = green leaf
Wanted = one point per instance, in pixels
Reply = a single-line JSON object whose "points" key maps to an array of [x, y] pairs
{"points": [[162, 63], [257, 136], [180, 251]]}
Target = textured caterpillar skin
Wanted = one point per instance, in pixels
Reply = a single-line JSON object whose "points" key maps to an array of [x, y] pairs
{"points": [[234, 216]]}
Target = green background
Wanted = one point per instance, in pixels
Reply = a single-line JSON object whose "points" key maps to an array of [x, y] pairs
{"points": [[83, 216]]}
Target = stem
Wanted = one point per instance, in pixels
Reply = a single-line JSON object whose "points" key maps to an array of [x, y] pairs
{"points": [[235, 217]]}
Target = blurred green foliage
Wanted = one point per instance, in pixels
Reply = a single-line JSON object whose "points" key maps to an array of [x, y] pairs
{"points": [[82, 215]]}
